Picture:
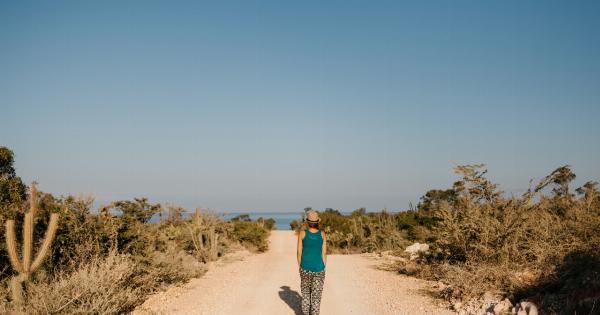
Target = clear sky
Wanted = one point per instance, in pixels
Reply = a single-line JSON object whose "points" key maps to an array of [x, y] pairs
{"points": [[273, 106]]}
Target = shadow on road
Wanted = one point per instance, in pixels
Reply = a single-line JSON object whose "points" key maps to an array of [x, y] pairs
{"points": [[292, 299]]}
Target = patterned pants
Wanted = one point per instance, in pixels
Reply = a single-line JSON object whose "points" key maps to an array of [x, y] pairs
{"points": [[311, 285]]}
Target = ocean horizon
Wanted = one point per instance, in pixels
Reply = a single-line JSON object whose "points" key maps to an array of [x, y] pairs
{"points": [[282, 219]]}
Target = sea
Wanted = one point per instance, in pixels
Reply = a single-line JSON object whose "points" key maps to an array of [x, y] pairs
{"points": [[282, 219]]}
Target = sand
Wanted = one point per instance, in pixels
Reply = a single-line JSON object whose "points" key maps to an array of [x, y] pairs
{"points": [[268, 283]]}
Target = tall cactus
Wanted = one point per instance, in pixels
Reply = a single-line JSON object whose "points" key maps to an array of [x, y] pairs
{"points": [[25, 266], [197, 218]]}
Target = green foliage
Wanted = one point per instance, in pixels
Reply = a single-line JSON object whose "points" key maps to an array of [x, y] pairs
{"points": [[268, 223], [296, 225], [251, 233], [432, 199], [334, 220], [418, 226], [12, 189], [362, 231], [139, 209]]}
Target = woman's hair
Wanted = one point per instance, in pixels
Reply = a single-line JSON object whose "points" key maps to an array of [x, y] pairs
{"points": [[314, 225]]}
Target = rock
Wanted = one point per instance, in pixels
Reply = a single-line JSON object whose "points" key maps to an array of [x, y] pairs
{"points": [[526, 308], [503, 307], [416, 249], [529, 307]]}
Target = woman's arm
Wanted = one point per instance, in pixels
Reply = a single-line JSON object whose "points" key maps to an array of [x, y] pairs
{"points": [[299, 247], [324, 248]]}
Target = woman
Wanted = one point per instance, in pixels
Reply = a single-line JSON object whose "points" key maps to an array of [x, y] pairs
{"points": [[312, 257]]}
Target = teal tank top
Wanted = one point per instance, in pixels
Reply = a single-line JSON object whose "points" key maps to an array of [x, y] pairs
{"points": [[312, 245]]}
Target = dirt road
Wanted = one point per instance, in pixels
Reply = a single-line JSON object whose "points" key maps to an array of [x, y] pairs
{"points": [[269, 283]]}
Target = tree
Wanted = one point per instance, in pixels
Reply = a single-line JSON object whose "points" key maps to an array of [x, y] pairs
{"points": [[359, 212], [139, 210], [433, 198], [12, 189], [561, 178], [474, 185]]}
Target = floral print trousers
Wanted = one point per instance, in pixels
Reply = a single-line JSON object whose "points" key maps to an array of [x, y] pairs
{"points": [[311, 285]]}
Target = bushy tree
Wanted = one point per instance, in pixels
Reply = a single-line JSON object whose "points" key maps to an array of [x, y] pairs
{"points": [[434, 198], [12, 189], [139, 209]]}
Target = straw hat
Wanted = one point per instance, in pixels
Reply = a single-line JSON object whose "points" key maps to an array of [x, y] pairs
{"points": [[312, 217]]}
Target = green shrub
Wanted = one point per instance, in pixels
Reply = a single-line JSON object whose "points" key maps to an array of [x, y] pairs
{"points": [[362, 231], [268, 223], [251, 234]]}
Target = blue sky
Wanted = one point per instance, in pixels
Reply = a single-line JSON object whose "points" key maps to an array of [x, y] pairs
{"points": [[275, 106]]}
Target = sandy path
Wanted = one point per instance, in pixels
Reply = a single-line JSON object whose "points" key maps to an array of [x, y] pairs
{"points": [[269, 283]]}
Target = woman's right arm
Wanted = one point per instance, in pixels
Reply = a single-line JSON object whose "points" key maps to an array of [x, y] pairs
{"points": [[299, 247]]}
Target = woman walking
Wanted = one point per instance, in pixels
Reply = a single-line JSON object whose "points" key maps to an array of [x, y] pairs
{"points": [[312, 257]]}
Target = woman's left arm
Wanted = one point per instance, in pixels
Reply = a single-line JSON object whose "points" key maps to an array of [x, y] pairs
{"points": [[324, 248], [299, 247]]}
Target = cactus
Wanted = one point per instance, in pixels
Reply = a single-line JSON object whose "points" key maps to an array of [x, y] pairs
{"points": [[197, 219], [204, 236], [213, 239], [25, 266]]}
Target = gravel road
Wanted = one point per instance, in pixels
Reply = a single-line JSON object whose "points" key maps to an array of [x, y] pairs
{"points": [[269, 283]]}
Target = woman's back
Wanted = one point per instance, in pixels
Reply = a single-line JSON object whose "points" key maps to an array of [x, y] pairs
{"points": [[312, 245]]}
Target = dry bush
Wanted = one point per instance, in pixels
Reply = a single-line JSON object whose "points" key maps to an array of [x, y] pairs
{"points": [[175, 266], [205, 234], [112, 284], [130, 259], [518, 246], [107, 261], [104, 285], [5, 306]]}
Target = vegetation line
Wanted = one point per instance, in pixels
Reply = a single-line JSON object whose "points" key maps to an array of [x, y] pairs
{"points": [[104, 262]]}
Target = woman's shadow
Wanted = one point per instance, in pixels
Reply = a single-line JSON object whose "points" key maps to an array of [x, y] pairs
{"points": [[292, 299]]}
